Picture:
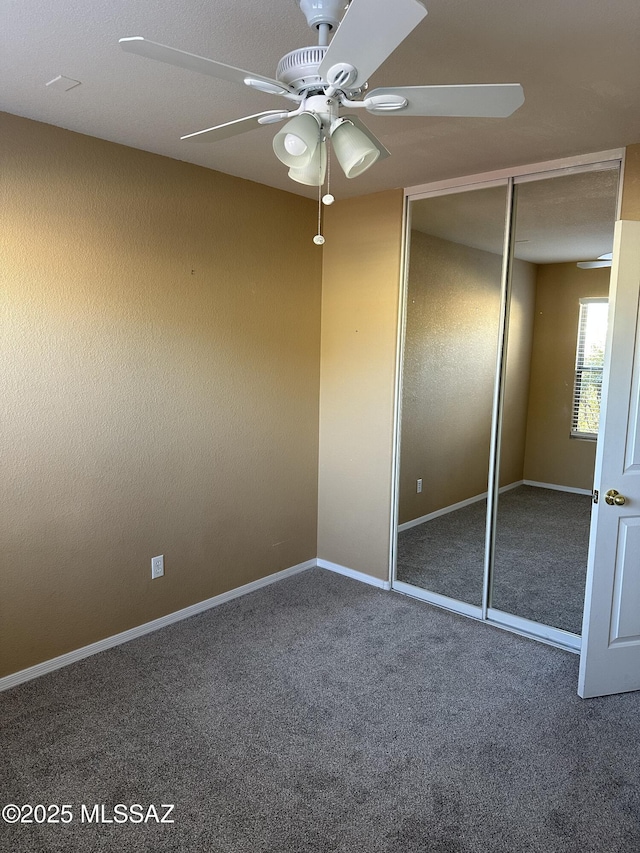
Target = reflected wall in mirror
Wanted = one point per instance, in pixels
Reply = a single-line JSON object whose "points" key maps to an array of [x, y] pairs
{"points": [[543, 515], [450, 359]]}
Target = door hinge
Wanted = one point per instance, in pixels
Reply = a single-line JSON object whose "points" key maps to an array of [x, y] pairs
{"points": [[596, 495]]}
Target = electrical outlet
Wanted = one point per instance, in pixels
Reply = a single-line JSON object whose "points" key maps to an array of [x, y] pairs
{"points": [[419, 486], [157, 566]]}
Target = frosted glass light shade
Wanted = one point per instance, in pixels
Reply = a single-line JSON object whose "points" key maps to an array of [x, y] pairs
{"points": [[314, 172], [354, 150], [296, 143]]}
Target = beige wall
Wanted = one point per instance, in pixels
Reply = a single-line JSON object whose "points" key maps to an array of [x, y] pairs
{"points": [[518, 372], [160, 375], [453, 316], [630, 208], [551, 455], [360, 298]]}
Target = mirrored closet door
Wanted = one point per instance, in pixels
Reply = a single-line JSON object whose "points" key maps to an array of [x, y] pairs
{"points": [[450, 360], [503, 344], [556, 332]]}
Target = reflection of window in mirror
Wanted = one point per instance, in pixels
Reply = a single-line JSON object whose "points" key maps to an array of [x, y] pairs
{"points": [[592, 334]]}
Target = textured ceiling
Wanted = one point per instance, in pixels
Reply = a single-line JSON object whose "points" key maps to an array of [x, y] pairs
{"points": [[560, 219], [578, 61]]}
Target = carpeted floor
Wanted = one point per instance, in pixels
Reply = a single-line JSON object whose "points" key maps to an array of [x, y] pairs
{"points": [[542, 541], [319, 715]]}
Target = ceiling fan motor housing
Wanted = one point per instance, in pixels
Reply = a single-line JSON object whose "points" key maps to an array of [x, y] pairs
{"points": [[299, 69]]}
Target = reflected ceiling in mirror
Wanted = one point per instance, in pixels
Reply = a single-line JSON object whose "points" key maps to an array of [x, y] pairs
{"points": [[552, 229]]}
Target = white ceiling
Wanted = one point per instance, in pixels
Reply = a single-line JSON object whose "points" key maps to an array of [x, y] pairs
{"points": [[578, 61]]}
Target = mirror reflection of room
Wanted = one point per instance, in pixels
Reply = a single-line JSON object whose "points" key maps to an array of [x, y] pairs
{"points": [[542, 528], [551, 385], [450, 358]]}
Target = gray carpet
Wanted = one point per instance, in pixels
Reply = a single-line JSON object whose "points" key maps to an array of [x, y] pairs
{"points": [[317, 715], [542, 542]]}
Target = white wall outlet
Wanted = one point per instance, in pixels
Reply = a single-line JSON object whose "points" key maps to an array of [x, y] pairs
{"points": [[157, 566], [419, 486]]}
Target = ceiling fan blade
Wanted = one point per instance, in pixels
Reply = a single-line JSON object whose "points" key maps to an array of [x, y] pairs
{"points": [[234, 128], [369, 32], [593, 265], [496, 100], [160, 52]]}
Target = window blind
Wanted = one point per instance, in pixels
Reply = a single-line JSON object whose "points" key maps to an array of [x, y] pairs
{"points": [[592, 333]]}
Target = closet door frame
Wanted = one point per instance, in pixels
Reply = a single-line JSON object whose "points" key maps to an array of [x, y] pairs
{"points": [[510, 179]]}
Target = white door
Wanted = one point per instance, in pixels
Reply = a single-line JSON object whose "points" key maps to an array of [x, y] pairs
{"points": [[610, 656]]}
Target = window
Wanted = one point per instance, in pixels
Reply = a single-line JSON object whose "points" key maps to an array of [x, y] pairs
{"points": [[592, 333]]}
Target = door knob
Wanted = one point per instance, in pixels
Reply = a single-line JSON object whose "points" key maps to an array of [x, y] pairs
{"points": [[615, 498]]}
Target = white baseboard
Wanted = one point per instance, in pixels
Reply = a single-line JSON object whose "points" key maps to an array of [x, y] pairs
{"points": [[117, 639], [351, 573], [510, 486], [558, 488], [453, 507]]}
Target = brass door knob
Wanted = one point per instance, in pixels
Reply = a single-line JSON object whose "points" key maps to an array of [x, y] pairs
{"points": [[614, 498]]}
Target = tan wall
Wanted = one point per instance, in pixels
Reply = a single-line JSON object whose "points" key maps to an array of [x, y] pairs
{"points": [[360, 296], [453, 314], [160, 375], [518, 373], [630, 208], [551, 455]]}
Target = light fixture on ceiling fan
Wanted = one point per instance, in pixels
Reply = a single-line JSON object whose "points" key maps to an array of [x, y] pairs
{"points": [[602, 261], [329, 78]]}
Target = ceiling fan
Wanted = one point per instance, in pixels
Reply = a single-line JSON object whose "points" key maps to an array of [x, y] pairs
{"points": [[330, 79], [602, 261]]}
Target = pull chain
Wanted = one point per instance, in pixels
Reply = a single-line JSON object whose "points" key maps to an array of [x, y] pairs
{"points": [[328, 198], [319, 239]]}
